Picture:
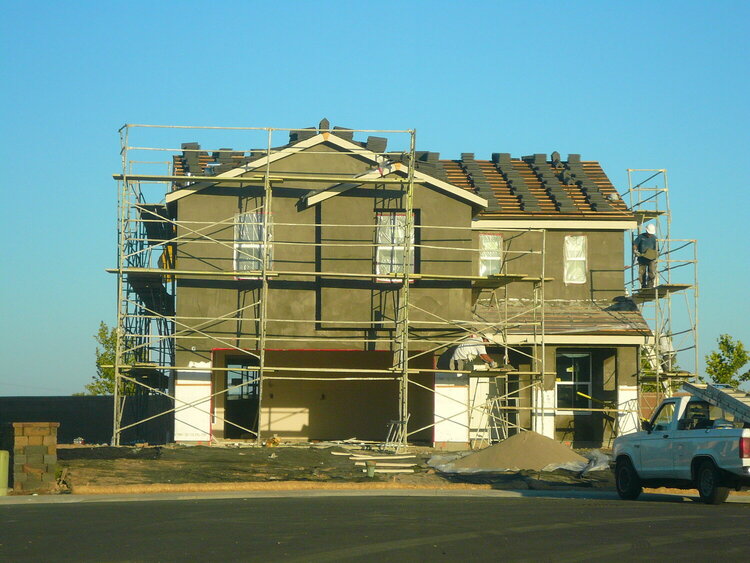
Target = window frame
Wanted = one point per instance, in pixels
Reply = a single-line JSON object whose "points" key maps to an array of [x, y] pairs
{"points": [[585, 386], [393, 247], [656, 427], [260, 242], [569, 260], [482, 250]]}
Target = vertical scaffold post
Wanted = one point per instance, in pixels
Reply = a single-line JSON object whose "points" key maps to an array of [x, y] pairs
{"points": [[121, 257], [265, 266], [401, 351], [542, 307]]}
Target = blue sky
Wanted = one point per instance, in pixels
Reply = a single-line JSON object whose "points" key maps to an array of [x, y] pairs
{"points": [[630, 84]]}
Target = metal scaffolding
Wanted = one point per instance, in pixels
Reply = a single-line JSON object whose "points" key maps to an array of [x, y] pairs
{"points": [[674, 323], [149, 329]]}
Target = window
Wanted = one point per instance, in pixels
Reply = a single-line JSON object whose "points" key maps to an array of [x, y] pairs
{"points": [[573, 378], [490, 253], [664, 417], [391, 241], [250, 242], [575, 259], [242, 382], [697, 416]]}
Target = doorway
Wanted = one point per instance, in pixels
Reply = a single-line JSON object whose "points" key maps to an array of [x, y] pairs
{"points": [[241, 400]]}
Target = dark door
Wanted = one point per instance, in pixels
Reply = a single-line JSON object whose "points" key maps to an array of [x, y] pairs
{"points": [[241, 402]]}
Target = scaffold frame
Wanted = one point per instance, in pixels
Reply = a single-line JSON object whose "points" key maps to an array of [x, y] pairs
{"points": [[147, 332], [677, 276]]}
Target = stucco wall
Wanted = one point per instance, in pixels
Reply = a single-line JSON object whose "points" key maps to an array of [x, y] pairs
{"points": [[604, 264], [324, 404], [332, 306]]}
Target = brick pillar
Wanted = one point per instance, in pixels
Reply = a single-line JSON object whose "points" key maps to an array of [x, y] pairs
{"points": [[33, 456]]}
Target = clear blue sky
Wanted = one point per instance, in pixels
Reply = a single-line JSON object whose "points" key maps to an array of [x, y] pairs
{"points": [[631, 84]]}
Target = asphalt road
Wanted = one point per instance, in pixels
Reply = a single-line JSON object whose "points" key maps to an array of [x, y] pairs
{"points": [[361, 527]]}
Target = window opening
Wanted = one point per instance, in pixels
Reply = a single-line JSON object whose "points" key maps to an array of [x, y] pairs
{"points": [[250, 243], [573, 376], [490, 253], [237, 376], [391, 245], [697, 416], [664, 417], [575, 259]]}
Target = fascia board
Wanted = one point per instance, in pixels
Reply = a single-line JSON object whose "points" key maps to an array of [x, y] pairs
{"points": [[451, 189], [555, 224], [579, 339], [404, 170], [260, 163], [426, 178], [339, 188]]}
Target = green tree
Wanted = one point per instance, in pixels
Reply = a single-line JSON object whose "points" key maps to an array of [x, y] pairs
{"points": [[104, 380], [724, 365], [106, 350]]}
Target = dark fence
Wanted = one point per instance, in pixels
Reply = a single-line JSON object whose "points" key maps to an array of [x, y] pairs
{"points": [[90, 417]]}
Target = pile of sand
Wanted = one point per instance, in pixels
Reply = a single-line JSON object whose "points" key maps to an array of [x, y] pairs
{"points": [[527, 450]]}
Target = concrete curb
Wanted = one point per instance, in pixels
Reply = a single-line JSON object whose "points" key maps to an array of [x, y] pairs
{"points": [[318, 493]]}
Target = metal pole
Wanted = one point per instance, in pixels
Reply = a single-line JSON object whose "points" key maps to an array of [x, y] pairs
{"points": [[121, 301], [695, 306], [543, 328], [401, 352], [265, 266]]}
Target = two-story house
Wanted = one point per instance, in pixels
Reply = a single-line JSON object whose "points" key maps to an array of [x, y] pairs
{"points": [[320, 287]]}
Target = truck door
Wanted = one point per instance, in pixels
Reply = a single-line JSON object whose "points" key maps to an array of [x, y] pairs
{"points": [[691, 433], [656, 447]]}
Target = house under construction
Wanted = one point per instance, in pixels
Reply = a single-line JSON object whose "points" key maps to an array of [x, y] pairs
{"points": [[313, 284]]}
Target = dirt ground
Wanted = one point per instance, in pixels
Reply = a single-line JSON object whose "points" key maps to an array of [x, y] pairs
{"points": [[104, 469]]}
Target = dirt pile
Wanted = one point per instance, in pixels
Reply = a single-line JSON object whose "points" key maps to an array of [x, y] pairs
{"points": [[527, 450]]}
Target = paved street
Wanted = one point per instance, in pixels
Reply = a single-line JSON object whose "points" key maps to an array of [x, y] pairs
{"points": [[432, 526]]}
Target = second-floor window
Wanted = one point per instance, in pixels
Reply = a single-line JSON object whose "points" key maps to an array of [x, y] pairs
{"points": [[391, 239], [250, 241], [490, 253], [574, 259]]}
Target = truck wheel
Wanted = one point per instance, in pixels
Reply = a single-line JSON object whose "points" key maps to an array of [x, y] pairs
{"points": [[626, 480], [709, 484]]}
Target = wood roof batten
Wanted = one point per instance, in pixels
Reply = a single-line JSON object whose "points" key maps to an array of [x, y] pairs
{"points": [[350, 147], [523, 191]]}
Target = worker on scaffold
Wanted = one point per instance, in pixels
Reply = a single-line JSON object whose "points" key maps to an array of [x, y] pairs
{"points": [[645, 249], [469, 349]]}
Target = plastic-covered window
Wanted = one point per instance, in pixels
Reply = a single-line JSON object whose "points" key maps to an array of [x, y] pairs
{"points": [[250, 242], [575, 259], [390, 256], [490, 253]]}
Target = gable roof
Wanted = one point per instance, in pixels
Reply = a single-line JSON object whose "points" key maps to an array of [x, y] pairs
{"points": [[501, 188], [381, 167], [535, 187]]}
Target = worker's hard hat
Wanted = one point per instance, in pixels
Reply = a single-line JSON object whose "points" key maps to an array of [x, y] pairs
{"points": [[651, 229]]}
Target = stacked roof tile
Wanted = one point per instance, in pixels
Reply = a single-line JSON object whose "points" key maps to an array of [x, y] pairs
{"points": [[514, 187]]}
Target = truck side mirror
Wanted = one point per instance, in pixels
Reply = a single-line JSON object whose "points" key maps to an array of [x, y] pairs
{"points": [[646, 425]]}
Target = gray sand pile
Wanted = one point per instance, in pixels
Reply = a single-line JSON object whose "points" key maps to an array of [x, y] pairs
{"points": [[527, 450]]}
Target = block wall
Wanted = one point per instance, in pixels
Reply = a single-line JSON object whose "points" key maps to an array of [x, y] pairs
{"points": [[33, 455]]}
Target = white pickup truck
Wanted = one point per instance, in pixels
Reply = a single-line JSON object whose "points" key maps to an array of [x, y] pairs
{"points": [[698, 441]]}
